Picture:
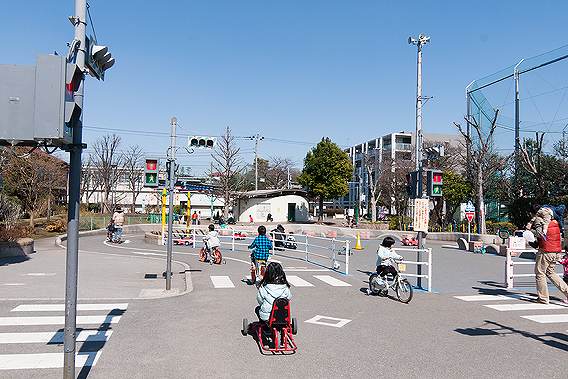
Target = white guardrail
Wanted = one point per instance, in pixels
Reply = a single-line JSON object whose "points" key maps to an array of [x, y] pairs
{"points": [[510, 266], [418, 263], [331, 253]]}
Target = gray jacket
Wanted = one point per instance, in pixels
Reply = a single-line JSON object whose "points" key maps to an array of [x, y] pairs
{"points": [[266, 296]]}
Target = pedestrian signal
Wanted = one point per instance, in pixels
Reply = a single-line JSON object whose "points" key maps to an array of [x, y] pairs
{"points": [[151, 169]]}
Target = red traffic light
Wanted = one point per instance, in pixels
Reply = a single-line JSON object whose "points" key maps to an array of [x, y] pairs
{"points": [[151, 164], [437, 177]]}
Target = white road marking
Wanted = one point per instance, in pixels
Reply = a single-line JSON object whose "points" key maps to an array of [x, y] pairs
{"points": [[548, 319], [299, 269], [484, 297], [523, 307], [339, 322], [332, 281], [142, 253], [40, 274], [61, 307], [57, 320], [296, 281], [13, 284], [45, 360], [54, 337], [222, 281]]}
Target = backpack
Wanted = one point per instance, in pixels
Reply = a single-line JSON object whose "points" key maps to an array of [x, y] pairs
{"points": [[558, 214]]}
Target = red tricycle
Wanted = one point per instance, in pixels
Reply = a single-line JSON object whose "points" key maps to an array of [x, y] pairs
{"points": [[239, 236], [409, 240], [278, 331]]}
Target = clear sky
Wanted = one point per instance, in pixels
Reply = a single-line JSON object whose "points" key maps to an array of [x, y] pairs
{"points": [[292, 70]]}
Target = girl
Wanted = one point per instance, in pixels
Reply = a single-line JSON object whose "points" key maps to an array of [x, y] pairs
{"points": [[273, 285]]}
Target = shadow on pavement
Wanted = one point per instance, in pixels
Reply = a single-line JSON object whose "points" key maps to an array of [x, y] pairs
{"points": [[13, 260], [555, 340]]}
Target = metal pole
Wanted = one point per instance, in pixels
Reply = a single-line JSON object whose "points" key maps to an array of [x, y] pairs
{"points": [[72, 259], [172, 182], [517, 129], [256, 162]]}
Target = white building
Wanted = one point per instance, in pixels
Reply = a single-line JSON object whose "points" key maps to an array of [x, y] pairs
{"points": [[285, 205]]}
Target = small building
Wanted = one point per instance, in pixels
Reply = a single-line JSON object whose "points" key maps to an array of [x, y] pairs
{"points": [[285, 205]]}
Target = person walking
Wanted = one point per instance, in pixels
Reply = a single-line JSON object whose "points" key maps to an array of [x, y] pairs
{"points": [[199, 218], [549, 253], [118, 220], [194, 218]]}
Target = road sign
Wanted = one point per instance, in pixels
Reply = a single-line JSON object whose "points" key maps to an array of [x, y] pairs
{"points": [[469, 216], [421, 215], [469, 207]]}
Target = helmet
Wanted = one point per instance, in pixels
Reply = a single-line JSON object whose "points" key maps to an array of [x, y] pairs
{"points": [[211, 227]]}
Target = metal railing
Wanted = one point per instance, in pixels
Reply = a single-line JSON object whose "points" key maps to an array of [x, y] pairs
{"points": [[418, 263], [101, 222], [330, 253], [510, 266]]}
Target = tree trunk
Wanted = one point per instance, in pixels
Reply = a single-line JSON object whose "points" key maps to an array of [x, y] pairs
{"points": [[320, 216], [32, 219], [49, 206], [480, 202], [133, 205], [373, 209]]}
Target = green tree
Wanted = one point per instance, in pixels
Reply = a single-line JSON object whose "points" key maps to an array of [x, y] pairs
{"points": [[327, 170], [457, 190]]}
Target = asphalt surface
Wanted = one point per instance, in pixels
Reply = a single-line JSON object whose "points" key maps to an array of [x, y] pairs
{"points": [[198, 334]]}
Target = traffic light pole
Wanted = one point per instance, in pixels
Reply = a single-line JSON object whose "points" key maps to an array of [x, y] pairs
{"points": [[172, 182], [72, 258]]}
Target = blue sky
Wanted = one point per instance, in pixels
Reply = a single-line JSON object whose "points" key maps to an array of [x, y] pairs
{"points": [[293, 70]]}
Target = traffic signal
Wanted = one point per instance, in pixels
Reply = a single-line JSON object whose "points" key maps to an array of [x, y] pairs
{"points": [[434, 183], [201, 142], [412, 184], [73, 105], [97, 59], [151, 168]]}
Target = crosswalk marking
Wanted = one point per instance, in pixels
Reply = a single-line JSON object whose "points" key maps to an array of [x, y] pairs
{"points": [[45, 360], [54, 337], [296, 281], [61, 307], [57, 320], [222, 281], [548, 319], [332, 281], [523, 307], [485, 297]]}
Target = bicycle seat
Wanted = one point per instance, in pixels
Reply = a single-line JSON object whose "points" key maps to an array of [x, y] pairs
{"points": [[280, 314]]}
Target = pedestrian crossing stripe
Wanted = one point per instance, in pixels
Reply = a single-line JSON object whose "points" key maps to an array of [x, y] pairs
{"points": [[57, 320], [54, 337], [296, 281], [548, 319], [525, 306], [61, 307], [490, 297], [332, 281], [224, 281], [45, 360]]}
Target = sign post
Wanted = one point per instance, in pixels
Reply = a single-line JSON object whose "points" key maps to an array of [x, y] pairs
{"points": [[421, 215], [469, 214]]}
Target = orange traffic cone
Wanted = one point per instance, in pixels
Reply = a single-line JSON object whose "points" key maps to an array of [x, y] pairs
{"points": [[358, 242]]}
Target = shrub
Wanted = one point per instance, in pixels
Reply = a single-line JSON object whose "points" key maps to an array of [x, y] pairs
{"points": [[493, 227], [56, 226], [15, 233]]}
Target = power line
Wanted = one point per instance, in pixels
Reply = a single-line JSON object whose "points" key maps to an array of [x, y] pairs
{"points": [[91, 20]]}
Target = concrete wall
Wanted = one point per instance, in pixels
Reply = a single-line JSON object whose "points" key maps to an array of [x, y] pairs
{"points": [[276, 206]]}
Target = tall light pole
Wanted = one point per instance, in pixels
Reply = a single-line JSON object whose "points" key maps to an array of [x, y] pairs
{"points": [[256, 138], [419, 42], [172, 181]]}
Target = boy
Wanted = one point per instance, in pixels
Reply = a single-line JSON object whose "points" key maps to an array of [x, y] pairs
{"points": [[260, 247], [212, 238]]}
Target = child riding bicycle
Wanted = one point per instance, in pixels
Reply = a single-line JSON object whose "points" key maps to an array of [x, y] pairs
{"points": [[260, 247], [211, 240], [384, 254]]}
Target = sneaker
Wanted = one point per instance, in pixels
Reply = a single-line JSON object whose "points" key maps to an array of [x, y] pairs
{"points": [[564, 302]]}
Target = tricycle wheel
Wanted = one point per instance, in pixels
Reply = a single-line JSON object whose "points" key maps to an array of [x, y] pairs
{"points": [[186, 243], [244, 330], [294, 326]]}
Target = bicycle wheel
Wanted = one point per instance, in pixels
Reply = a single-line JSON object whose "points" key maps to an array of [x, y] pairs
{"points": [[404, 291], [218, 257], [373, 286], [202, 255]]}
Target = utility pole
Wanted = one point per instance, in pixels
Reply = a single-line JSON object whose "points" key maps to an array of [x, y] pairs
{"points": [[517, 128], [289, 180], [172, 182], [79, 21], [257, 138], [421, 41]]}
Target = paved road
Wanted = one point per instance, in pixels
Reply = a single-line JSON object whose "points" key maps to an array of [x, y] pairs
{"points": [[448, 333]]}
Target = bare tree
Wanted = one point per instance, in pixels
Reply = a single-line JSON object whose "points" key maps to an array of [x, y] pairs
{"points": [[31, 178], [133, 170], [392, 185], [226, 163], [108, 165], [374, 175], [531, 157], [89, 182], [277, 173], [483, 161]]}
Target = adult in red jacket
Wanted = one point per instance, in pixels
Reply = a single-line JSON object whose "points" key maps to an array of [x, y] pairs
{"points": [[549, 253]]}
